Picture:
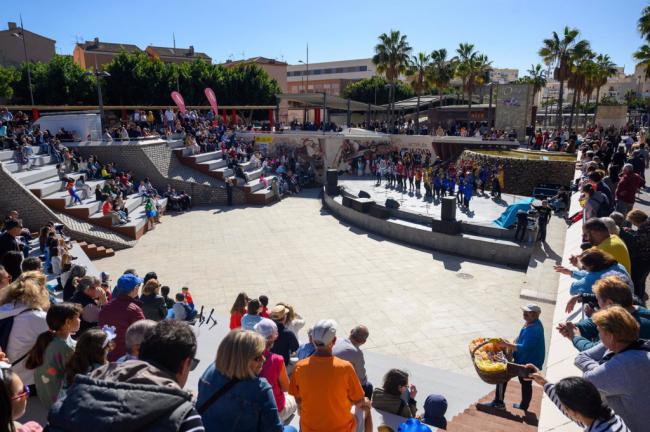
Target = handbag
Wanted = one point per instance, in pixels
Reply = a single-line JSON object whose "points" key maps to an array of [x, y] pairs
{"points": [[222, 391]]}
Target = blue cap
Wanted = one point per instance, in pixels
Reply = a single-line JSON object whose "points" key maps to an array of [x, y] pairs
{"points": [[126, 283]]}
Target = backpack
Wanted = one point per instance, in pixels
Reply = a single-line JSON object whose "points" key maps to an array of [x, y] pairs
{"points": [[603, 206]]}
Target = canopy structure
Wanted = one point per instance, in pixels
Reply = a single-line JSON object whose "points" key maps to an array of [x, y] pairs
{"points": [[330, 102], [425, 101]]}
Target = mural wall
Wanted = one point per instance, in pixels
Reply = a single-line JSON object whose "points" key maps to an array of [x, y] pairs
{"points": [[513, 105]]}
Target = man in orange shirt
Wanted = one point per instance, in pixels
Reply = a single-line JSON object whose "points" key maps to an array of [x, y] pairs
{"points": [[326, 387]]}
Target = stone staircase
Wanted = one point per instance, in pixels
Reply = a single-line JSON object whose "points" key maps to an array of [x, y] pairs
{"points": [[214, 165], [42, 180], [494, 420]]}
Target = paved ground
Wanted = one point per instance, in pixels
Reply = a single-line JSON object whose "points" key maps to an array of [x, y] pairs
{"points": [[418, 305], [483, 209]]}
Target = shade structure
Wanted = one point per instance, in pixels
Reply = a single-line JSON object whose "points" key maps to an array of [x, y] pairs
{"points": [[331, 102]]}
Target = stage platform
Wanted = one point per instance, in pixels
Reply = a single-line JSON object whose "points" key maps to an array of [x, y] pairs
{"points": [[483, 209]]}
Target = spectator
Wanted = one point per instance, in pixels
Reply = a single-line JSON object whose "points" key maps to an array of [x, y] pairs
{"points": [[8, 239], [598, 235], [294, 320], [251, 318], [90, 353], [326, 387], [53, 349], [238, 310], [608, 291], [579, 400], [264, 301], [71, 280], [25, 301], [137, 394], [350, 349], [153, 305], [308, 348], [133, 339], [31, 263], [13, 400], [275, 372], [639, 240], [5, 279], [626, 189], [188, 297], [182, 311], [595, 203], [594, 264], [528, 347], [91, 297], [12, 262], [230, 388], [164, 291], [287, 343], [620, 366], [122, 311]]}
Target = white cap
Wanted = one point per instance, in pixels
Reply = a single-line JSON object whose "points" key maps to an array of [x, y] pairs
{"points": [[324, 332], [531, 307]]}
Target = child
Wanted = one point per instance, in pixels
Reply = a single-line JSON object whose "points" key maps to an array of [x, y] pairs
{"points": [[53, 349], [188, 297], [264, 310], [182, 312], [72, 191], [90, 353]]}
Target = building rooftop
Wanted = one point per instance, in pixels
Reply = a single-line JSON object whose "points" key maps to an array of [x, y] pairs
{"points": [[13, 28], [178, 53], [97, 45], [258, 60]]}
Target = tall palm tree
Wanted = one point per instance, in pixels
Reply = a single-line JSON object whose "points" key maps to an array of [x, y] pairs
{"points": [[643, 25], [579, 60], [391, 58], [418, 70], [465, 60], [591, 73], [442, 71], [557, 51], [536, 77], [481, 68], [607, 68]]}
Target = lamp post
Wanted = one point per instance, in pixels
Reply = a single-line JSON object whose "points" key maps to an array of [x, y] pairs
{"points": [[99, 74], [21, 36]]}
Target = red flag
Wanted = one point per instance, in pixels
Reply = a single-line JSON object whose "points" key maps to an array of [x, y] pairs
{"points": [[178, 100], [212, 99]]}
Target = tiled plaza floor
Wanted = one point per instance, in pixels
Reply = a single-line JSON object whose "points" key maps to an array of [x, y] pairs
{"points": [[417, 304]]}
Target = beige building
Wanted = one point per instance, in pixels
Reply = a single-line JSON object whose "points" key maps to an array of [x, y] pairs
{"points": [[275, 68], [12, 52], [328, 77], [176, 55], [616, 87], [96, 53], [503, 75]]}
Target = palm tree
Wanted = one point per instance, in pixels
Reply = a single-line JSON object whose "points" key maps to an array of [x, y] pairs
{"points": [[464, 60], [643, 25], [607, 68], [391, 58], [481, 68], [591, 73], [578, 63], [441, 71], [557, 52], [418, 70], [537, 78]]}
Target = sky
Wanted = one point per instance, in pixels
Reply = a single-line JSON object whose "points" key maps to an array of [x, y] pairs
{"points": [[510, 32]]}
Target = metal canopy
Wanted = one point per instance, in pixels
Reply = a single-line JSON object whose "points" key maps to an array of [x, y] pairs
{"points": [[425, 100], [317, 100]]}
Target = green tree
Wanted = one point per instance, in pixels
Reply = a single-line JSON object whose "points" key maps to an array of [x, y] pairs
{"points": [[367, 89], [643, 25], [391, 58], [418, 71], [473, 69], [557, 52], [7, 78], [579, 61], [606, 69], [441, 72]]}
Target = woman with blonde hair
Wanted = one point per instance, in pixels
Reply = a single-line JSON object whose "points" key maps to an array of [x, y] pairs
{"points": [[230, 389], [26, 300], [153, 304]]}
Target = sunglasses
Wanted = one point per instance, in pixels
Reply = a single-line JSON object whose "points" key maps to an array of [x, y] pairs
{"points": [[23, 394], [194, 363]]}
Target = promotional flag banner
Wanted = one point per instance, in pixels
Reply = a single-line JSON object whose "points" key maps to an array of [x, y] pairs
{"points": [[178, 100]]}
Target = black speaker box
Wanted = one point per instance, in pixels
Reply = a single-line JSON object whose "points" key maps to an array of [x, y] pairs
{"points": [[448, 210], [392, 204], [364, 194], [332, 177]]}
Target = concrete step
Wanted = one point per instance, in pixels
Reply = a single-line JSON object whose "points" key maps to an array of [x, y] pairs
{"points": [[253, 174], [256, 185], [36, 175], [36, 161], [210, 165], [222, 173], [52, 185], [175, 144], [6, 155], [133, 229], [204, 157]]}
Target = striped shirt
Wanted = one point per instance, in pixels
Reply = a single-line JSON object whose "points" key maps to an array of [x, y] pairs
{"points": [[192, 422], [614, 424]]}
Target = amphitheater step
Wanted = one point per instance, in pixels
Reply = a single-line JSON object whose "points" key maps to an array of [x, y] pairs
{"points": [[36, 161], [95, 252], [36, 175], [493, 420], [204, 157]]}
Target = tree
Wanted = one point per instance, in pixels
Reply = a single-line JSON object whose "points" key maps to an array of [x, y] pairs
{"points": [[591, 73], [7, 77], [418, 71], [376, 91], [441, 71], [537, 78], [391, 58], [578, 62], [473, 69], [606, 69], [643, 25], [557, 52]]}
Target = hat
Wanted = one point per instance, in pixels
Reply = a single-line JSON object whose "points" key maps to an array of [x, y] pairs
{"points": [[324, 332], [278, 312], [531, 307], [126, 283], [266, 328], [105, 277]]}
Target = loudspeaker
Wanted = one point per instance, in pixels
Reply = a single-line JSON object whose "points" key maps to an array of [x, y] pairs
{"points": [[332, 190], [364, 194], [446, 227], [392, 204], [448, 211], [379, 212], [332, 177]]}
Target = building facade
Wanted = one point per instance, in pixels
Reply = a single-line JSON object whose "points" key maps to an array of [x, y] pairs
{"points": [[97, 53], [328, 77], [275, 68], [12, 52], [176, 55], [503, 75]]}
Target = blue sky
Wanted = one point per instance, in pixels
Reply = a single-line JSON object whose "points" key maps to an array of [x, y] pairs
{"points": [[508, 31]]}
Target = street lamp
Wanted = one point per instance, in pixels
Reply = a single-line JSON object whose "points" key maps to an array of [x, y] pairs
{"points": [[99, 74], [21, 35]]}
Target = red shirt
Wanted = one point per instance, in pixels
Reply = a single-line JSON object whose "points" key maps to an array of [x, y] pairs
{"points": [[271, 371], [235, 320], [188, 298], [120, 313], [107, 207], [264, 312]]}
